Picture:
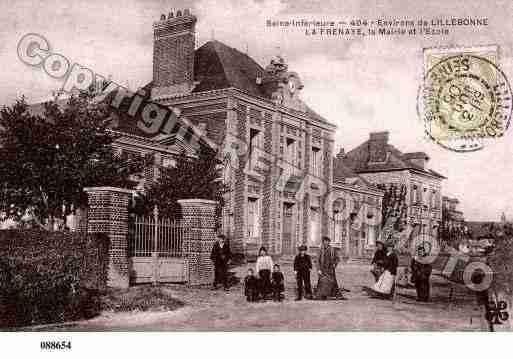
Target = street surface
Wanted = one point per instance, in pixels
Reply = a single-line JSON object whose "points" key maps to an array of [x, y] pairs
{"points": [[208, 310]]}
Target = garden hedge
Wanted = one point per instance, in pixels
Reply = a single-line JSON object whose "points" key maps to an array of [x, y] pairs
{"points": [[48, 277]]}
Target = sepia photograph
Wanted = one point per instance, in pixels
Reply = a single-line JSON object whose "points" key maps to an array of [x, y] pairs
{"points": [[255, 166]]}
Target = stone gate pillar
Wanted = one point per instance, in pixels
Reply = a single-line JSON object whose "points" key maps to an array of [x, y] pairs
{"points": [[108, 213], [199, 223]]}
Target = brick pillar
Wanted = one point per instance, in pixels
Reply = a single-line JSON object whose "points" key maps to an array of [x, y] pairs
{"points": [[198, 220], [108, 213]]}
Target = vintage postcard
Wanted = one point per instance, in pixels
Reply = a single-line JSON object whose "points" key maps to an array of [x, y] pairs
{"points": [[259, 165]]}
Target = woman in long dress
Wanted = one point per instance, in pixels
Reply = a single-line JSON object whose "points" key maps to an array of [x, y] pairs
{"points": [[384, 287], [327, 262], [263, 267]]}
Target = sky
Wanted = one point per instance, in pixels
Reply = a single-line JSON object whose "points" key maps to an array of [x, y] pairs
{"points": [[361, 85]]}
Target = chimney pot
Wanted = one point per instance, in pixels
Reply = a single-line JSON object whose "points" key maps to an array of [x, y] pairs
{"points": [[162, 17], [186, 12], [170, 15], [178, 13], [380, 136], [341, 154]]}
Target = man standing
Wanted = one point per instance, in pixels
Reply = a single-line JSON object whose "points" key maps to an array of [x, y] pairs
{"points": [[302, 267], [221, 255], [327, 261], [420, 274]]}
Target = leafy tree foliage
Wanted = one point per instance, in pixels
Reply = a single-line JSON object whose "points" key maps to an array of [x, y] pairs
{"points": [[501, 259], [191, 178], [47, 159], [394, 205]]}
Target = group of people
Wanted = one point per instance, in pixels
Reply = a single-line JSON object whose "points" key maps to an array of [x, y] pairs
{"points": [[384, 269], [266, 281]]}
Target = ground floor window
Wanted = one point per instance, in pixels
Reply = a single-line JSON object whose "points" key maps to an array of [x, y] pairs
{"points": [[253, 218], [371, 237], [314, 238]]}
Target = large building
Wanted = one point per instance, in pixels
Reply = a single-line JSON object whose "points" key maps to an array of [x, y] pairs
{"points": [[356, 211], [379, 162], [278, 151]]}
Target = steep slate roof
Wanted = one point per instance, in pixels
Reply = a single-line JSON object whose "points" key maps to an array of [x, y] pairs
{"points": [[358, 160], [219, 66], [216, 66], [344, 174]]}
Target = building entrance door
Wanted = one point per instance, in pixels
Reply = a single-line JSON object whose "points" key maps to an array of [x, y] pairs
{"points": [[355, 243], [287, 244]]}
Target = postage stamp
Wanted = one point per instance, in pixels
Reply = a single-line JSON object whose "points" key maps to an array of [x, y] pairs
{"points": [[465, 99]]}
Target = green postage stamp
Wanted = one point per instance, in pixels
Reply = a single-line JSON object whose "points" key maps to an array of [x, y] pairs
{"points": [[465, 99]]}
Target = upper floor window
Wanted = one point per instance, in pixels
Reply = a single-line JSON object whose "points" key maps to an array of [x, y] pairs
{"points": [[416, 194], [255, 147], [316, 162], [290, 152]]}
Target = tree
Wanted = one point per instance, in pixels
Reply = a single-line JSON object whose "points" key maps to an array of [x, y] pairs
{"points": [[47, 159], [191, 178], [394, 207]]}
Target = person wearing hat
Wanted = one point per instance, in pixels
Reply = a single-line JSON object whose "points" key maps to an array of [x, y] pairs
{"points": [[420, 272], [302, 267], [378, 260], [220, 256], [327, 261]]}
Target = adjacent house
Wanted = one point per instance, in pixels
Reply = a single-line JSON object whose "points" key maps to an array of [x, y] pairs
{"points": [[356, 211], [379, 162]]}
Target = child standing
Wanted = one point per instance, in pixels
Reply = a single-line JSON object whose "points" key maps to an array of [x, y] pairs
{"points": [[277, 283], [251, 286], [264, 266], [302, 267]]}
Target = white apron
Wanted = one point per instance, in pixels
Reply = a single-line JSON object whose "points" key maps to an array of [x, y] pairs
{"points": [[385, 283]]}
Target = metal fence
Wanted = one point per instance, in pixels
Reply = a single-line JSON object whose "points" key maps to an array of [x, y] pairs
{"points": [[153, 235]]}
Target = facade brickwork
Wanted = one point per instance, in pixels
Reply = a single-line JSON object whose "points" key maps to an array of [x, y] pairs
{"points": [[199, 221], [174, 42], [268, 235], [239, 187], [108, 213]]}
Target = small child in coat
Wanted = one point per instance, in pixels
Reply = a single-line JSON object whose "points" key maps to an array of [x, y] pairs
{"points": [[277, 283], [251, 286]]}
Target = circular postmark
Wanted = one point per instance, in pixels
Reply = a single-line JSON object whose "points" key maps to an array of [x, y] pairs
{"points": [[464, 101]]}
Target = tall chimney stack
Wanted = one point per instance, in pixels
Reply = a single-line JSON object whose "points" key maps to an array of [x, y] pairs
{"points": [[173, 54], [378, 142]]}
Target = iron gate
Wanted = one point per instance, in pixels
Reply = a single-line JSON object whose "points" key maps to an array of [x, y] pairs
{"points": [[156, 250]]}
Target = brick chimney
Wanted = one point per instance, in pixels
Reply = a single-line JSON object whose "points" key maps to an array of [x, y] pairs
{"points": [[419, 159], [378, 142], [173, 54], [341, 154]]}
